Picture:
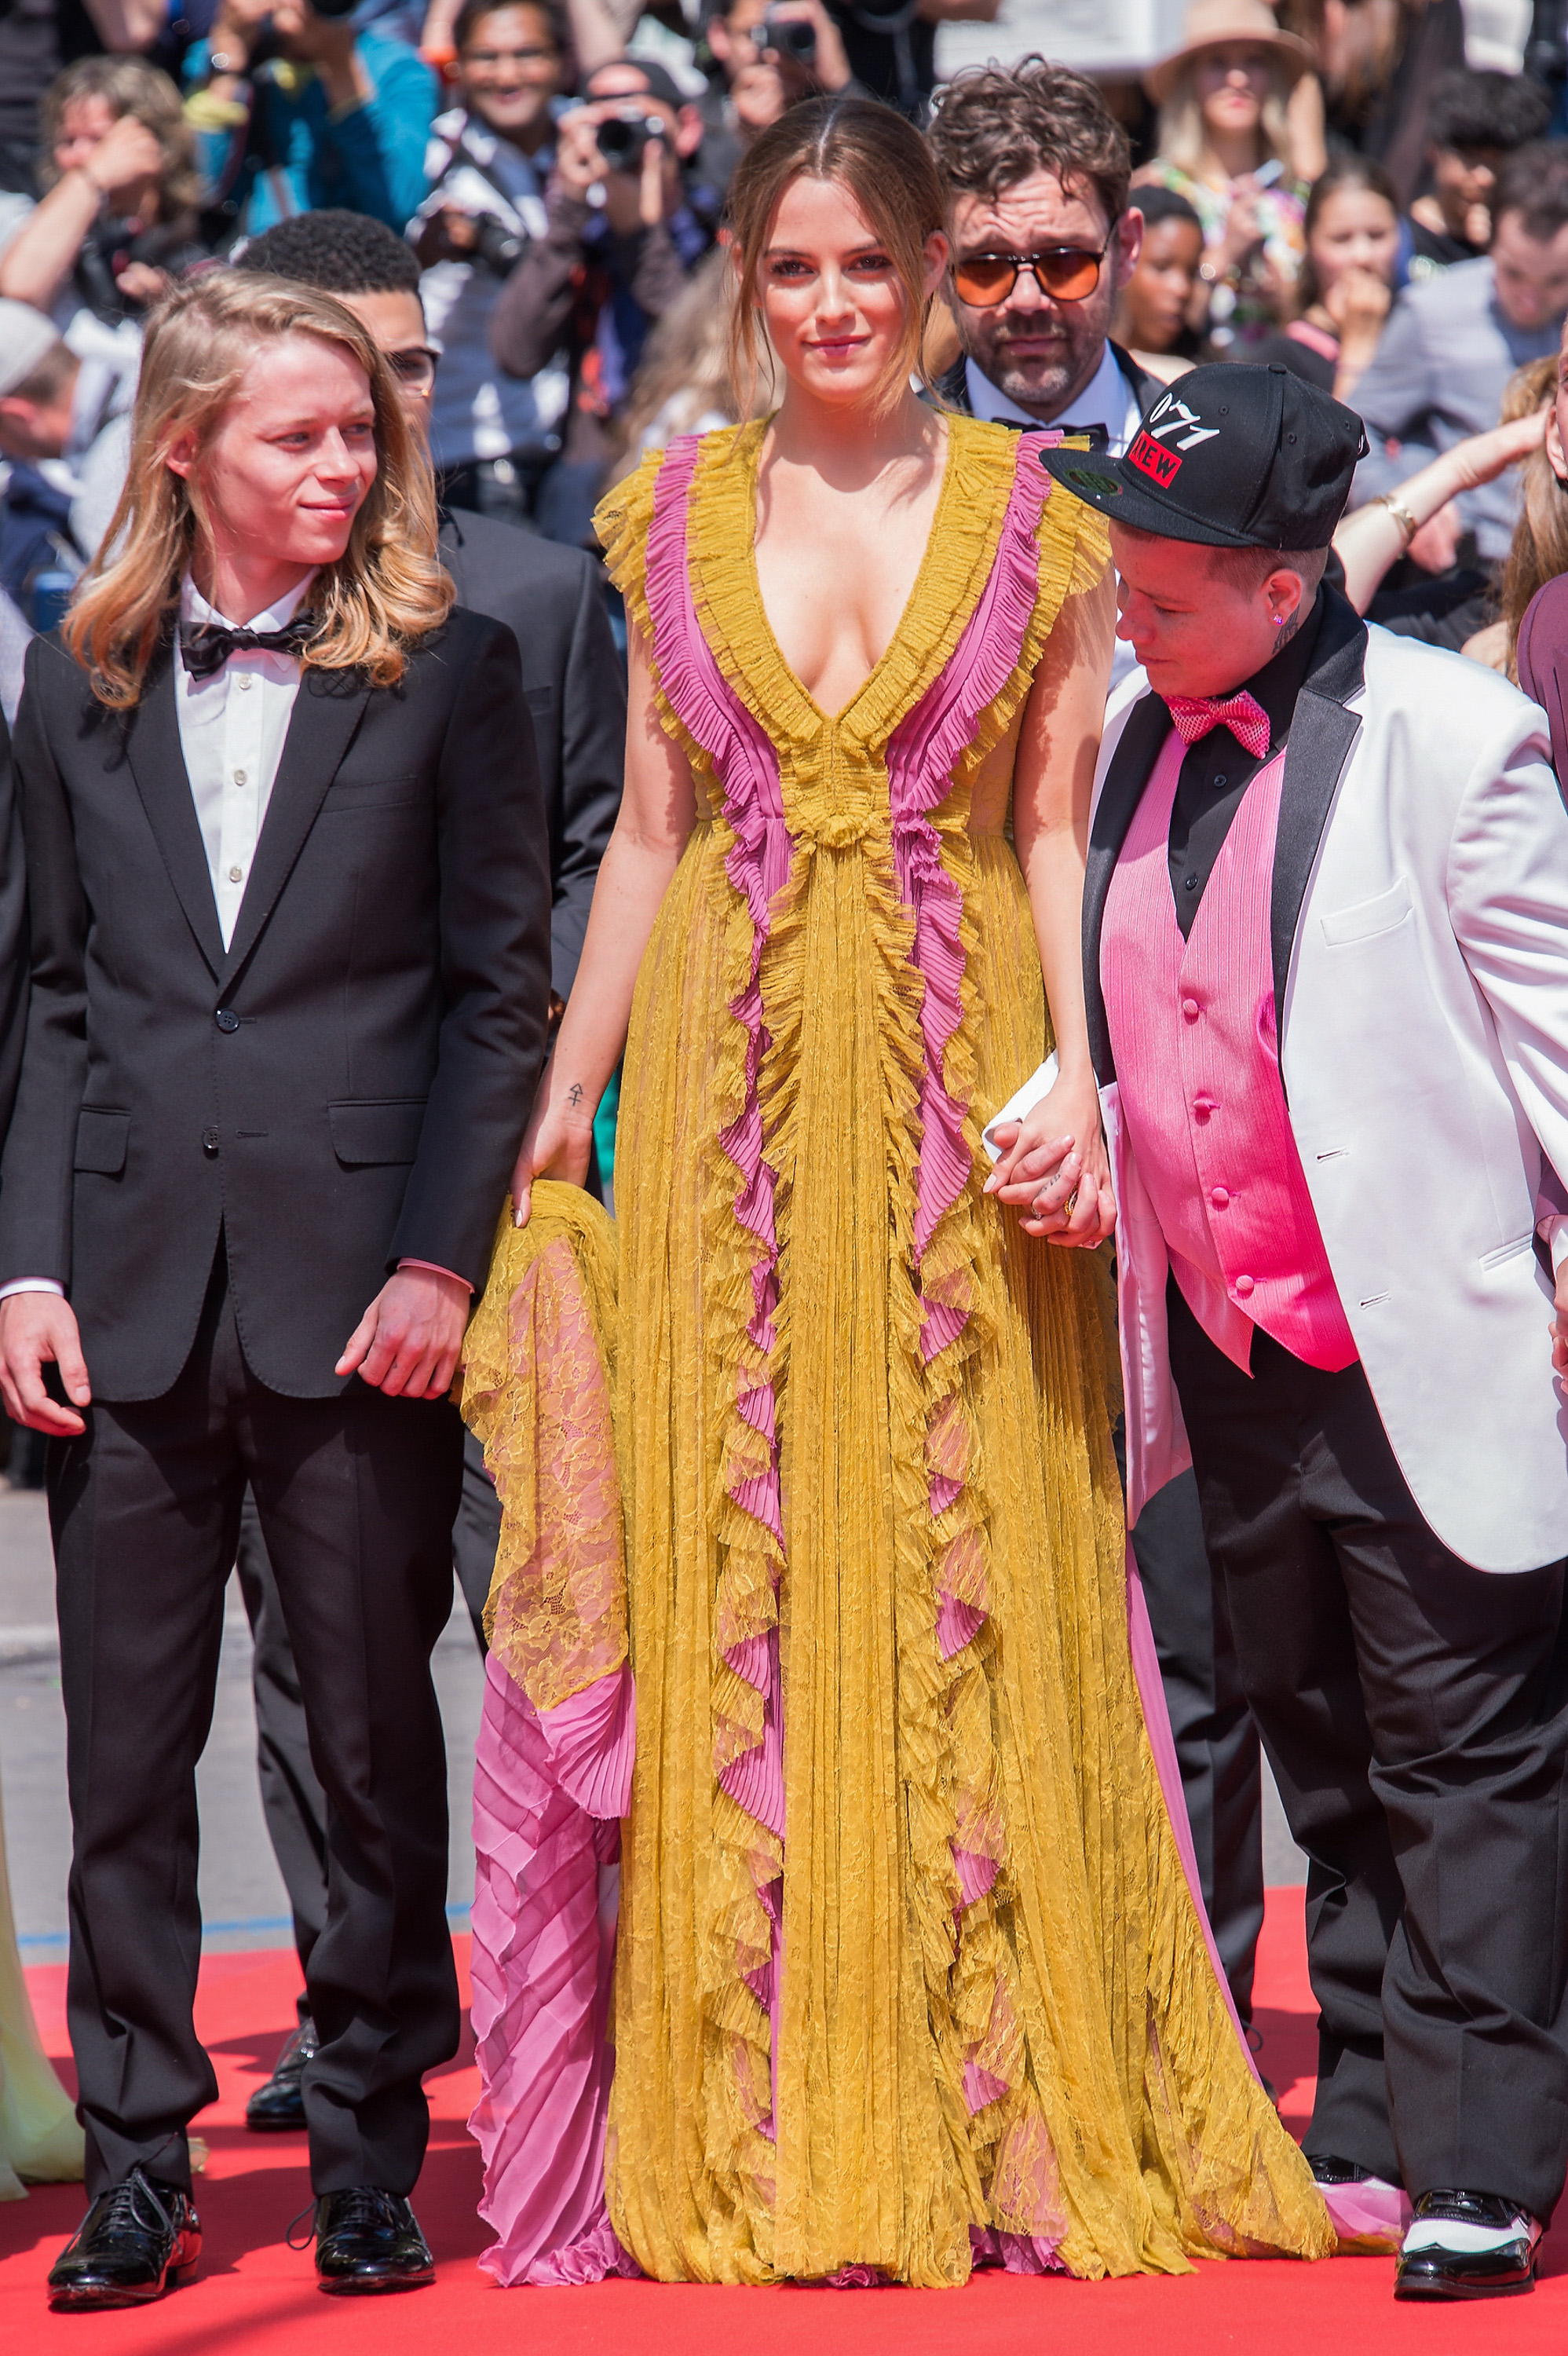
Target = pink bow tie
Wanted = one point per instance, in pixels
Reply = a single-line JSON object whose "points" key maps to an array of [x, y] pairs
{"points": [[1243, 714]]}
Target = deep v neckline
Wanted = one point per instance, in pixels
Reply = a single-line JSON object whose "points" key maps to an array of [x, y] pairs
{"points": [[910, 603]]}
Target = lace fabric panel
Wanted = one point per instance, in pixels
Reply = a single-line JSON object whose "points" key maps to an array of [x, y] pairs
{"points": [[536, 1388]]}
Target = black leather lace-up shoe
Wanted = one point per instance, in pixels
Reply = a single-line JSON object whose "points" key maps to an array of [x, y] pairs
{"points": [[138, 2239], [1327, 2168], [1466, 2245], [280, 2103], [369, 2241]]}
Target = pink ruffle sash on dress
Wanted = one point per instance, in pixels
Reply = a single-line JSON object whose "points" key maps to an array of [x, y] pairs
{"points": [[549, 1788]]}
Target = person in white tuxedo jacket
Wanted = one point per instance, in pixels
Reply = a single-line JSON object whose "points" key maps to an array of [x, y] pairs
{"points": [[1326, 927]]}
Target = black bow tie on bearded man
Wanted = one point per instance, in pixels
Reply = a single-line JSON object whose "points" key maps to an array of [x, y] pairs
{"points": [[206, 646]]}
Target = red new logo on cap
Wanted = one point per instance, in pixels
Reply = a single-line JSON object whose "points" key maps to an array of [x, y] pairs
{"points": [[1148, 456]]}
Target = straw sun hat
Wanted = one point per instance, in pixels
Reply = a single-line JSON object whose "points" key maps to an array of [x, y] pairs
{"points": [[1214, 25]]}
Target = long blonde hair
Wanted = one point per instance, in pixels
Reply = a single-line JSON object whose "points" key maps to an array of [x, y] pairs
{"points": [[1539, 550], [385, 591], [1184, 142], [886, 167]]}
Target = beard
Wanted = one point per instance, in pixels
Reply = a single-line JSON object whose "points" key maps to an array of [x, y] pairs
{"points": [[1042, 382]]}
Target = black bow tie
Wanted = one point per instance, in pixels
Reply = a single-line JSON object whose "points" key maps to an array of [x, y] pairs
{"points": [[1096, 435], [206, 646]]}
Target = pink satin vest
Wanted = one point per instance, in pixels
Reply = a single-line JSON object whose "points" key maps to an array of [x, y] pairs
{"points": [[1193, 1033]]}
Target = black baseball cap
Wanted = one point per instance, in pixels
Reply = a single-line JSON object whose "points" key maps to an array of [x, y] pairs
{"points": [[1231, 456]]}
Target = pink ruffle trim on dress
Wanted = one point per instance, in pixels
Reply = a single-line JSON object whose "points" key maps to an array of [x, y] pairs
{"points": [[1370, 2217], [1016, 2253], [922, 753], [545, 1898], [747, 767]]}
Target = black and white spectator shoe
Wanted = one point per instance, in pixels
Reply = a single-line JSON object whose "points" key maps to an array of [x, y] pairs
{"points": [[1466, 2245]]}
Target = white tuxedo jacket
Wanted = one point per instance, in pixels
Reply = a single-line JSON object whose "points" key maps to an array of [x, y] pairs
{"points": [[1420, 934]]}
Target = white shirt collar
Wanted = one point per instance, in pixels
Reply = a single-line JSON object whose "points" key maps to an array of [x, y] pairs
{"points": [[195, 609], [1108, 399]]}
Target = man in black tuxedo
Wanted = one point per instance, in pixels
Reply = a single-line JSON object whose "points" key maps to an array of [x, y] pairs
{"points": [[263, 1086], [551, 599]]}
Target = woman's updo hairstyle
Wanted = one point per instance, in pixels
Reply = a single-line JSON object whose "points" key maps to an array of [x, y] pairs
{"points": [[885, 166]]}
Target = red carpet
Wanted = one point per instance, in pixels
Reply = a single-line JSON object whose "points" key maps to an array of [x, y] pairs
{"points": [[255, 2295]]}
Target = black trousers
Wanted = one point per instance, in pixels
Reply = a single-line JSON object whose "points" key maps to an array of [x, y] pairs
{"points": [[1415, 1714], [291, 1797], [355, 1497], [1215, 1736]]}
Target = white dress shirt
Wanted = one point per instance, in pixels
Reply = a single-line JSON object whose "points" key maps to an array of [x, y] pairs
{"points": [[1107, 401], [232, 725]]}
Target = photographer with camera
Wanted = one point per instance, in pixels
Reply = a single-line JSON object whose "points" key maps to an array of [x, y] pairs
{"points": [[493, 436], [626, 218], [294, 110], [770, 55]]}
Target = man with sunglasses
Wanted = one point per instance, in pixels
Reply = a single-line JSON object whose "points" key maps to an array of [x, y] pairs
{"points": [[1042, 240]]}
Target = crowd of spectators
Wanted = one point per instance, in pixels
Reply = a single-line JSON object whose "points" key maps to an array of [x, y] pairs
{"points": [[1326, 186]]}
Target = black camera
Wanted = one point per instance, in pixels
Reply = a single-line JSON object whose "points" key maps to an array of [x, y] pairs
{"points": [[623, 139], [791, 37], [497, 246]]}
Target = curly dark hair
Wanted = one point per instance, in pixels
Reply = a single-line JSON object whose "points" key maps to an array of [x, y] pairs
{"points": [[994, 125], [339, 253], [1471, 108]]}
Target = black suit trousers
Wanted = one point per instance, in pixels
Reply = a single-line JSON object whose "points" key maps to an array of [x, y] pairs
{"points": [[1212, 1727], [291, 1798], [356, 1495], [1415, 1714]]}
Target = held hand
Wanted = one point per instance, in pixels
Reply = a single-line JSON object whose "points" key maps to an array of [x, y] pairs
{"points": [[557, 1142], [408, 1341], [37, 1330], [1054, 1166]]}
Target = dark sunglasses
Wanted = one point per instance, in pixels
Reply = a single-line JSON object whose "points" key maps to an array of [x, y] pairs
{"points": [[1067, 273]]}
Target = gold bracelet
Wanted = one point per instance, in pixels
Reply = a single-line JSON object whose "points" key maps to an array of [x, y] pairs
{"points": [[1400, 514]]}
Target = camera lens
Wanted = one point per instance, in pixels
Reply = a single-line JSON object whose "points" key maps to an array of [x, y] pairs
{"points": [[621, 141], [792, 37]]}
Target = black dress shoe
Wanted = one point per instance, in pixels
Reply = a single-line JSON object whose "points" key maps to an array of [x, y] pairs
{"points": [[1327, 2168], [281, 2101], [367, 2241], [138, 2239], [1438, 2269]]}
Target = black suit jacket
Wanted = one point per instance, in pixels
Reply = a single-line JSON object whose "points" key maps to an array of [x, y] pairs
{"points": [[13, 933], [552, 601], [347, 1084], [1322, 732]]}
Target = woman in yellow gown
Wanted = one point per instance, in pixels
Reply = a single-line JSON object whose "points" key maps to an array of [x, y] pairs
{"points": [[907, 1975]]}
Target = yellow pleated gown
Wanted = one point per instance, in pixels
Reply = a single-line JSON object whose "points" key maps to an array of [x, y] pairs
{"points": [[907, 1962]]}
